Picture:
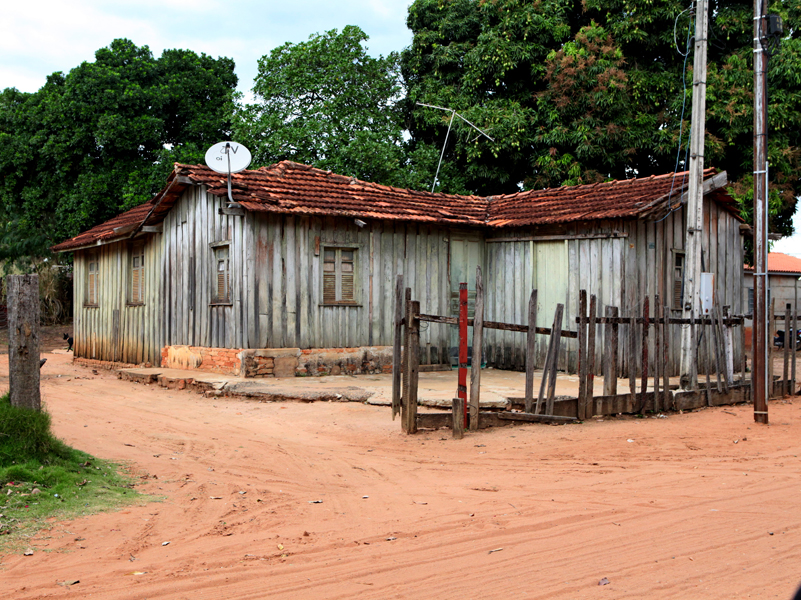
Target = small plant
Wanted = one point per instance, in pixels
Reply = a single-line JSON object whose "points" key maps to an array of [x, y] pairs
{"points": [[42, 477]]}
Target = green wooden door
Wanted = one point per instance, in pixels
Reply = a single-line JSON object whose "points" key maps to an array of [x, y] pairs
{"points": [[550, 278], [466, 253]]}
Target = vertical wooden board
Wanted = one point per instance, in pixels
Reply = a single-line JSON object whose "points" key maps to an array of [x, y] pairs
{"points": [[276, 234], [659, 257], [291, 279], [508, 304], [597, 277], [410, 270], [443, 339], [251, 282], [166, 298], [387, 274], [571, 302], [489, 302], [305, 251], [316, 283]]}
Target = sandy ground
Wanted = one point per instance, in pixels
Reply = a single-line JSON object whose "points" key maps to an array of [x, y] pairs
{"points": [[331, 500]]}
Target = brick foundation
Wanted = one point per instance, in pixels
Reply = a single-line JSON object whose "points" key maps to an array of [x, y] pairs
{"points": [[279, 362], [104, 364]]}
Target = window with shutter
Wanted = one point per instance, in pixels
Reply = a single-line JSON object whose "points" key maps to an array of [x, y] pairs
{"points": [[136, 293], [222, 267], [678, 279], [339, 276], [91, 279]]}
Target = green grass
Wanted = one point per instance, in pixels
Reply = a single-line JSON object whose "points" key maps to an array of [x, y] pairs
{"points": [[42, 479]]}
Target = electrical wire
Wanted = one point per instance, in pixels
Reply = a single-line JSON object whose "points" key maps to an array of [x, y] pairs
{"points": [[683, 110]]}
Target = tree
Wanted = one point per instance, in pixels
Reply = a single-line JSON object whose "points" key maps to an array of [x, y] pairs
{"points": [[327, 103], [102, 139], [576, 92]]}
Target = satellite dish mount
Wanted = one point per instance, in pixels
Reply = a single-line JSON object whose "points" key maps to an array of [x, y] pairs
{"points": [[228, 158]]}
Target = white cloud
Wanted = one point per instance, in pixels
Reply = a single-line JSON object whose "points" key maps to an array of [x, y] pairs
{"points": [[39, 37]]}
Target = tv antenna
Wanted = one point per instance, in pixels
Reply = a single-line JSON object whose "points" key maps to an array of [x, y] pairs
{"points": [[227, 158], [450, 122]]}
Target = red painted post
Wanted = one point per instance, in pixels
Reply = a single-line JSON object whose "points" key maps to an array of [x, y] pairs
{"points": [[461, 390]]}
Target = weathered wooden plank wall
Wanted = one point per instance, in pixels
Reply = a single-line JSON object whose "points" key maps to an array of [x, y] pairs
{"points": [[276, 278], [627, 261], [276, 282], [115, 330]]}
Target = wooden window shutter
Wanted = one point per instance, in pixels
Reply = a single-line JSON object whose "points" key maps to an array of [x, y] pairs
{"points": [[222, 293], [346, 264], [91, 294], [329, 276], [92, 280], [137, 295], [678, 280]]}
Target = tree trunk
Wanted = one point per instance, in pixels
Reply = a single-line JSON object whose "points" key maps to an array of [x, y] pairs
{"points": [[22, 292]]}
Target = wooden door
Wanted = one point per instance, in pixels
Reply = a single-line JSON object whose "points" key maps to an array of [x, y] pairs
{"points": [[550, 278], [466, 253]]}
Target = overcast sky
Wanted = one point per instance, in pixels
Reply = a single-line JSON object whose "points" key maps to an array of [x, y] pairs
{"points": [[39, 37]]}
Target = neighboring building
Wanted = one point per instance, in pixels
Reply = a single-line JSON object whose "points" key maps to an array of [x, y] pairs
{"points": [[306, 261], [784, 272]]}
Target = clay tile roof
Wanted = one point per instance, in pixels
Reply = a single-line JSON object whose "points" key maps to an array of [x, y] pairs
{"points": [[291, 188], [119, 226], [781, 263], [610, 200]]}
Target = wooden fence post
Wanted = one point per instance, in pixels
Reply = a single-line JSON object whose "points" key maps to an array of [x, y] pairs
{"points": [[414, 365], [582, 354], [589, 387], [795, 337], [475, 369], [556, 337], [707, 332], [771, 351], [644, 387], [531, 338], [666, 357], [461, 390], [458, 419], [632, 354], [610, 341], [406, 361], [720, 356], [22, 297], [789, 340], [396, 348], [658, 366], [728, 345]]}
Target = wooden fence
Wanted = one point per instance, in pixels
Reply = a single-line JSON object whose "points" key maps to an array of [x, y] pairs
{"points": [[712, 334]]}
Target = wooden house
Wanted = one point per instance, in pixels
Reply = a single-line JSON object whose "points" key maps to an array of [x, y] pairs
{"points": [[298, 275]]}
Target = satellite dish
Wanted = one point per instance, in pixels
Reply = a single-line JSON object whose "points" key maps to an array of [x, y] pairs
{"points": [[228, 157]]}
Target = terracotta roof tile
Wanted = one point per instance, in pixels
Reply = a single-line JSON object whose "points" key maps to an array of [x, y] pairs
{"points": [[781, 263], [291, 188]]}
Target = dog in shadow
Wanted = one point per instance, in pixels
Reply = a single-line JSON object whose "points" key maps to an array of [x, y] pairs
{"points": [[68, 338]]}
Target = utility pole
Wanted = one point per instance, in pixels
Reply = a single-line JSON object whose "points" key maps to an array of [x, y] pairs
{"points": [[759, 345], [695, 200]]}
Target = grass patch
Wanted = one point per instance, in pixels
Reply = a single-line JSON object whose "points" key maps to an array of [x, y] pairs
{"points": [[42, 479]]}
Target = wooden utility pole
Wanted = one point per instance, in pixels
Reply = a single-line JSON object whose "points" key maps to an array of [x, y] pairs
{"points": [[759, 346], [695, 199], [22, 292]]}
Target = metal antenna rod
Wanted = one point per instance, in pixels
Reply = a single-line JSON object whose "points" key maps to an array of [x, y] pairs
{"points": [[228, 156], [450, 122], [441, 154]]}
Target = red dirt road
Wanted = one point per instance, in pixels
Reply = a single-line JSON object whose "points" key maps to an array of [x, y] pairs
{"points": [[662, 508]]}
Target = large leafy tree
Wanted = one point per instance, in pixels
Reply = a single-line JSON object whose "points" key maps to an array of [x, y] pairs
{"points": [[581, 91], [327, 103], [102, 138]]}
